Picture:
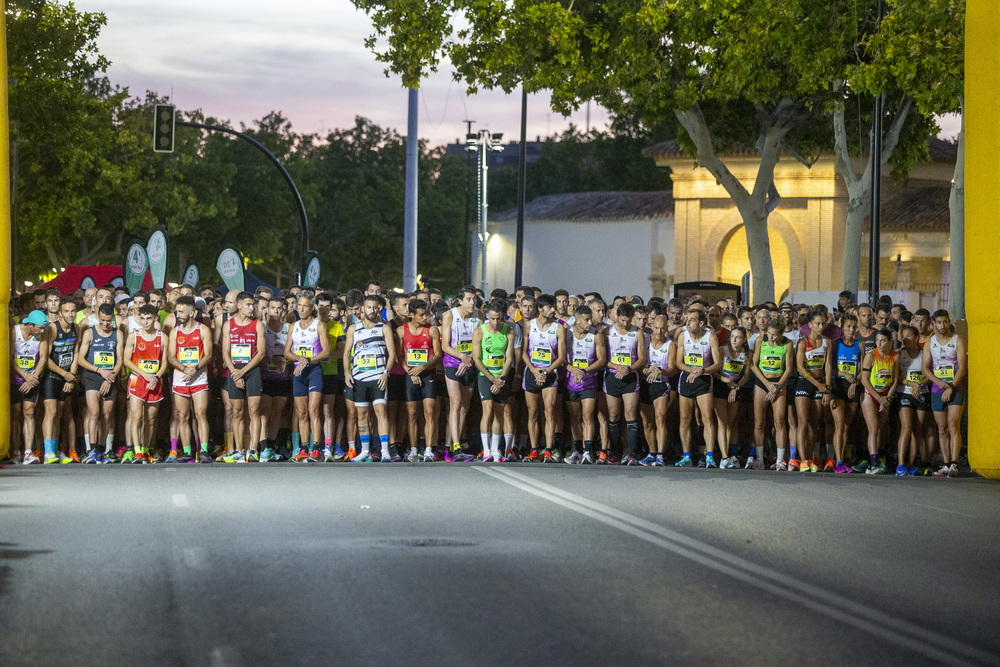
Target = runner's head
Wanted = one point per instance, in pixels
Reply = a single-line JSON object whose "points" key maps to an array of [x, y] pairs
{"points": [[745, 316], [88, 297], [495, 312], [775, 328], [399, 302], [882, 316], [276, 308], [695, 319], [729, 321], [244, 304], [371, 308], [942, 322], [105, 316], [230, 303], [373, 287], [156, 299], [848, 325], [909, 335], [52, 299], [866, 317], [883, 340], [714, 317], [546, 306], [417, 310], [737, 337], [584, 318], [624, 314], [922, 320], [67, 310], [528, 311], [147, 316], [467, 299], [562, 302], [599, 309], [817, 321], [658, 326], [763, 317], [304, 307]]}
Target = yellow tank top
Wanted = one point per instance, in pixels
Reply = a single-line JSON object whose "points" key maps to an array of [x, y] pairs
{"points": [[881, 375]]}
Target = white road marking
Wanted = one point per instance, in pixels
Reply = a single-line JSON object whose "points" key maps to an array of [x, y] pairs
{"points": [[194, 557], [903, 633], [180, 500], [941, 509], [224, 656]]}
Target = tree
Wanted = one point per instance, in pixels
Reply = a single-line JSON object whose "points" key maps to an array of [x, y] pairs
{"points": [[921, 49], [751, 73]]}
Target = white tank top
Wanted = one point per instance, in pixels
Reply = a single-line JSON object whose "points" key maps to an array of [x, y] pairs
{"points": [[305, 342], [623, 347], [911, 370], [697, 353], [733, 364]]}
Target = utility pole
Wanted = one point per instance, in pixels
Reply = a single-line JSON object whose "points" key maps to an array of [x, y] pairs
{"points": [[521, 191], [410, 215], [483, 143], [468, 203], [874, 227]]}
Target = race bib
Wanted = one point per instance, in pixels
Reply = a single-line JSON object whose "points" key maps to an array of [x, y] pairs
{"points": [[188, 355], [848, 367], [815, 359], [240, 353], [464, 347], [541, 356], [305, 352], [274, 363], [732, 368], [367, 362], [621, 359], [104, 360], [494, 362], [914, 376], [694, 359], [771, 364], [149, 365], [417, 357], [882, 379], [581, 364], [25, 363], [946, 373], [65, 360]]}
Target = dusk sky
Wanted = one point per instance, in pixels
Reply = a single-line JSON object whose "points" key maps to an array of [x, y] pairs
{"points": [[306, 58]]}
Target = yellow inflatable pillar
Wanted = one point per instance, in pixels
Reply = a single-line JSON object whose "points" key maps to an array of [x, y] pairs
{"points": [[982, 225], [5, 241]]}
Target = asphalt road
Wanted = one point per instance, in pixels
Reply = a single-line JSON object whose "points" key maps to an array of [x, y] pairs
{"points": [[446, 564]]}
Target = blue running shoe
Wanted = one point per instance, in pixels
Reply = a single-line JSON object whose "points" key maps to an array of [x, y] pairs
{"points": [[93, 458], [339, 454], [685, 462], [912, 471], [648, 461], [902, 471]]}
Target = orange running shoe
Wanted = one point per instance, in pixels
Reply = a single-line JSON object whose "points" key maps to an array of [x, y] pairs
{"points": [[350, 455], [73, 455], [831, 466], [793, 465]]}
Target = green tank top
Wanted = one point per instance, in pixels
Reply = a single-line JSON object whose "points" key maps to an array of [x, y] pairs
{"points": [[494, 349], [772, 357]]}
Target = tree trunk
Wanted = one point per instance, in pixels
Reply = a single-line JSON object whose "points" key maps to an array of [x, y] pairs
{"points": [[956, 206], [759, 254], [858, 203]]}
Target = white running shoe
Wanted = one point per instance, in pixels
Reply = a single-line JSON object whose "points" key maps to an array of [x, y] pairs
{"points": [[586, 459], [575, 457]]}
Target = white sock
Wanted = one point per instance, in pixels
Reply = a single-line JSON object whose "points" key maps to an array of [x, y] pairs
{"points": [[485, 437], [109, 444], [413, 450], [495, 445], [385, 450], [86, 441], [350, 444], [428, 451], [781, 454], [508, 440]]}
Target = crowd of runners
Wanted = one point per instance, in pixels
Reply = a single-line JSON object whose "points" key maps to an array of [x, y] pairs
{"points": [[313, 376]]}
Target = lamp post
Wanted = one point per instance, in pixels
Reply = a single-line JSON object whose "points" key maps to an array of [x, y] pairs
{"points": [[482, 144]]}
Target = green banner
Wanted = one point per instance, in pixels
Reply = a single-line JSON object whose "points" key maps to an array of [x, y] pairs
{"points": [[312, 273], [230, 268], [191, 276], [156, 250], [135, 267]]}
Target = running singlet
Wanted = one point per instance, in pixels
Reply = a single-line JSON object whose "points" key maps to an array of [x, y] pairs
{"points": [[772, 358], [417, 347], [733, 365], [242, 342], [494, 349], [543, 346], [63, 347], [848, 357], [274, 353], [146, 354], [25, 354], [697, 353], [623, 348], [944, 362], [867, 342], [815, 356], [582, 353], [306, 342], [660, 357], [911, 370], [334, 334], [881, 374], [369, 354], [103, 349], [396, 369], [190, 351], [461, 336]]}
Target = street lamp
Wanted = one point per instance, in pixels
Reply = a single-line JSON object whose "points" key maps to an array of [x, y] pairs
{"points": [[482, 144]]}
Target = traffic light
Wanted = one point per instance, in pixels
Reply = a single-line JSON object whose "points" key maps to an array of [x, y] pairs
{"points": [[163, 128]]}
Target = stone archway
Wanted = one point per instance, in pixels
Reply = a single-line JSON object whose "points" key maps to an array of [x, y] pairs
{"points": [[722, 232]]}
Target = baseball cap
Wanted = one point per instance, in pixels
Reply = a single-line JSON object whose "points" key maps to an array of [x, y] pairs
{"points": [[121, 297], [37, 318]]}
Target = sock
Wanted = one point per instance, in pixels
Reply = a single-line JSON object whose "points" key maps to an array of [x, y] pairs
{"points": [[50, 447], [413, 450], [794, 452], [508, 439], [365, 443], [312, 445], [753, 452], [631, 435], [350, 445], [296, 442], [173, 444], [781, 454], [577, 445], [613, 436], [86, 441], [455, 446], [328, 443], [829, 451], [187, 449], [485, 437], [384, 441], [588, 445], [557, 440], [874, 459], [109, 443], [709, 455], [686, 455], [495, 445]]}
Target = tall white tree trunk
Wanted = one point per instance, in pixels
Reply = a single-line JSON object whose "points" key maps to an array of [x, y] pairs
{"points": [[956, 207]]}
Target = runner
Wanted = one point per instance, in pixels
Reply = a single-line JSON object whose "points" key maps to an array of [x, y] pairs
{"points": [[330, 313], [696, 356], [812, 391], [306, 347], [457, 327], [772, 366], [189, 351], [243, 350], [396, 408], [945, 362], [728, 383], [626, 355], [419, 343], [276, 378], [654, 391], [493, 354], [101, 356], [880, 377], [27, 373], [59, 382], [369, 353], [914, 400], [145, 357], [846, 390]]}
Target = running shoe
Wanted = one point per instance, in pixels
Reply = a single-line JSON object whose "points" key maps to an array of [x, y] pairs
{"points": [[253, 456], [93, 457], [338, 454], [488, 458], [861, 467], [614, 460], [875, 470], [813, 466], [586, 459], [549, 456], [30, 458], [631, 461], [700, 464], [327, 455], [794, 465], [556, 456], [602, 458], [172, 457], [758, 464], [457, 456], [429, 455], [685, 462], [532, 457], [301, 457], [912, 471], [830, 466], [119, 453], [780, 466], [510, 455], [128, 456], [268, 455], [50, 458], [315, 456], [139, 459], [575, 457], [235, 457], [901, 471], [205, 457], [953, 471], [658, 463], [413, 456], [221, 456], [710, 462], [393, 457], [349, 456], [184, 457], [842, 468], [881, 463], [648, 461], [73, 455]]}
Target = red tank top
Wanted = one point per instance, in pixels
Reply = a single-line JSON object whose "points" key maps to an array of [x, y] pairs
{"points": [[190, 346], [417, 347], [147, 353], [242, 342]]}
